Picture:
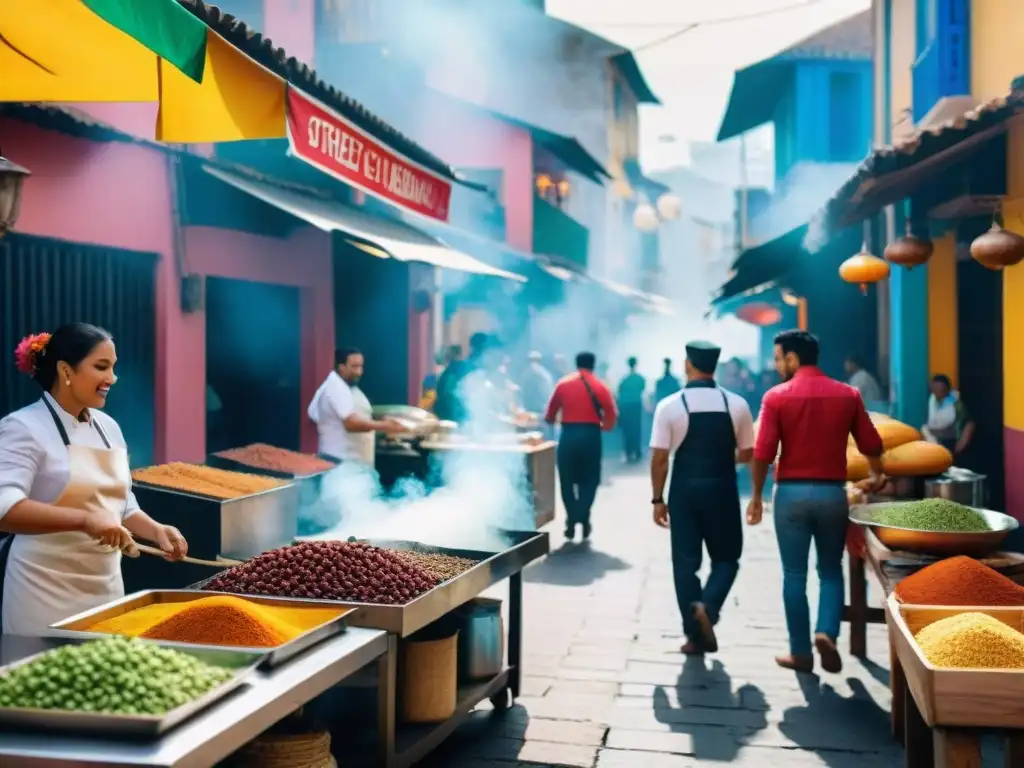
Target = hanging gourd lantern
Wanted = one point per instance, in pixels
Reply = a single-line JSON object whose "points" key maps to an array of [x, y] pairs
{"points": [[670, 207], [910, 250], [645, 218], [759, 313], [998, 248], [863, 268]]}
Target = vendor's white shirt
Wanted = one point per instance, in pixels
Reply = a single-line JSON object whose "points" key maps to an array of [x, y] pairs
{"points": [[671, 421], [334, 402], [34, 459]]}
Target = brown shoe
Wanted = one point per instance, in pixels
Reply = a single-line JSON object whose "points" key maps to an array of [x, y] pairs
{"points": [[831, 661], [706, 627], [796, 663], [692, 649]]}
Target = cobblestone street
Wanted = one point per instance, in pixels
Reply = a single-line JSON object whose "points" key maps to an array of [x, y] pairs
{"points": [[605, 684]]}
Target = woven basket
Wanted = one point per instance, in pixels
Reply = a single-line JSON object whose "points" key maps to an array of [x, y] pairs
{"points": [[304, 750], [428, 680]]}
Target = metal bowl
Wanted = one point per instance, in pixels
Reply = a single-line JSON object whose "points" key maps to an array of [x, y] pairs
{"points": [[942, 543]]}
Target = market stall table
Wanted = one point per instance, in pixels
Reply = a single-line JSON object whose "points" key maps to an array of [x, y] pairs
{"points": [[889, 569], [214, 733]]}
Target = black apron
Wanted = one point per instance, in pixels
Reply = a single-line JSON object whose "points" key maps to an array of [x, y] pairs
{"points": [[708, 452], [7, 539]]}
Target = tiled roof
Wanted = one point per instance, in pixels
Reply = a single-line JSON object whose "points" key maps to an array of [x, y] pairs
{"points": [[845, 207], [848, 39], [69, 120], [262, 50]]}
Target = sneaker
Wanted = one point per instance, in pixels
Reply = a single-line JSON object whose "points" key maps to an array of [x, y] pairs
{"points": [[586, 531], [706, 627]]}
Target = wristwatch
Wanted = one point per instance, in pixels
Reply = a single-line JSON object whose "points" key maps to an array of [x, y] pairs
{"points": [[658, 500]]}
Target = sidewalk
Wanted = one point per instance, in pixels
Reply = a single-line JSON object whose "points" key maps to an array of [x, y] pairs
{"points": [[606, 686]]}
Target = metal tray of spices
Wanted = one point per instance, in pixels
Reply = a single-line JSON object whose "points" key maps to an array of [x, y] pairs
{"points": [[947, 543], [78, 626], [522, 548], [149, 726]]}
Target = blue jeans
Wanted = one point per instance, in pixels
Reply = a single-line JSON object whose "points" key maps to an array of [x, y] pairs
{"points": [[804, 512]]}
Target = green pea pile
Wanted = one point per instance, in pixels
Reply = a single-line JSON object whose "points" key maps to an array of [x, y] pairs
{"points": [[115, 675], [933, 515]]}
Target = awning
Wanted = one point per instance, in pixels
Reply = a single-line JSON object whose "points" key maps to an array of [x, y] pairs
{"points": [[648, 186], [626, 64], [377, 236], [566, 149], [648, 301], [890, 174], [759, 267]]}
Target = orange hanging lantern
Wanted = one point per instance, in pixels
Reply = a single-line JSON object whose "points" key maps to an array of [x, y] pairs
{"points": [[909, 251], [863, 268], [998, 248], [759, 313]]}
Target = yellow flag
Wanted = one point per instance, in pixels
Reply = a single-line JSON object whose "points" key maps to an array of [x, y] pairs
{"points": [[59, 50], [238, 99]]}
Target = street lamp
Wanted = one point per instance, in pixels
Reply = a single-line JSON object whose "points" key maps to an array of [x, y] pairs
{"points": [[12, 177]]}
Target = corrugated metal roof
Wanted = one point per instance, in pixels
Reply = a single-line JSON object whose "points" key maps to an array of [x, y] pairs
{"points": [[262, 50], [848, 204], [69, 120], [850, 38]]}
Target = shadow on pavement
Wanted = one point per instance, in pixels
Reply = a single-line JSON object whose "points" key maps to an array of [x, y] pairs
{"points": [[574, 565], [487, 737], [834, 726], [876, 670], [708, 711]]}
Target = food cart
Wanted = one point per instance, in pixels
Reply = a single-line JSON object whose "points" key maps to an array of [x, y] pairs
{"points": [[367, 638]]}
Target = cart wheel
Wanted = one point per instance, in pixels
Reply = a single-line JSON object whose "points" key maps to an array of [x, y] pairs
{"points": [[501, 701]]}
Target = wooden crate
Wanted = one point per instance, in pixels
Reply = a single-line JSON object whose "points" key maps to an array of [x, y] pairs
{"points": [[982, 698]]}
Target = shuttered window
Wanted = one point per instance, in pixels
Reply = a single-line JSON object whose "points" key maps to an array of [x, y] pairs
{"points": [[44, 283]]}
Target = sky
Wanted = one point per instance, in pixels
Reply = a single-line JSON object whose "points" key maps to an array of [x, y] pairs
{"points": [[691, 68]]}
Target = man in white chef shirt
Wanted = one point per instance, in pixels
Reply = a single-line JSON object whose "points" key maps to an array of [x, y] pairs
{"points": [[705, 431], [343, 414]]}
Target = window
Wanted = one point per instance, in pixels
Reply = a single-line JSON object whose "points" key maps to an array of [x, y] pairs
{"points": [[845, 118]]}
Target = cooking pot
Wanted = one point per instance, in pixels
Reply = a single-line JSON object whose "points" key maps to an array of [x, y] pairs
{"points": [[960, 485], [481, 639]]}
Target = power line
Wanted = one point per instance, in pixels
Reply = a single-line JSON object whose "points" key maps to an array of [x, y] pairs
{"points": [[701, 22]]}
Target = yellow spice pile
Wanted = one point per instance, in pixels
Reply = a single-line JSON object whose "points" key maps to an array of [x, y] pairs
{"points": [[972, 640]]}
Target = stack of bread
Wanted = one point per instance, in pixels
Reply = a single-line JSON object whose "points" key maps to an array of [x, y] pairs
{"points": [[906, 453]]}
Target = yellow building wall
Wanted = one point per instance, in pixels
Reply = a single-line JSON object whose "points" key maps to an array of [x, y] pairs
{"points": [[903, 45], [943, 344], [1013, 298], [997, 46]]}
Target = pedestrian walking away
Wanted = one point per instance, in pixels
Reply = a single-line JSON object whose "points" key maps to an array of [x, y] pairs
{"points": [[707, 430], [812, 417], [586, 407], [631, 408]]}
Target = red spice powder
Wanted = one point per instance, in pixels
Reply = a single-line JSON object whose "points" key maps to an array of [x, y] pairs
{"points": [[959, 581], [262, 456]]}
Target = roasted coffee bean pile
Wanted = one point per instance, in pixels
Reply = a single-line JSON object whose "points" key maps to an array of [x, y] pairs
{"points": [[329, 570], [444, 567]]}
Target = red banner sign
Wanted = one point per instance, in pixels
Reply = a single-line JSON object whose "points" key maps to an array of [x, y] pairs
{"points": [[334, 145]]}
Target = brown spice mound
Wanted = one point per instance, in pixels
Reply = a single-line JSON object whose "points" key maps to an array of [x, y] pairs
{"points": [[262, 456], [444, 567], [959, 581], [206, 481], [220, 624]]}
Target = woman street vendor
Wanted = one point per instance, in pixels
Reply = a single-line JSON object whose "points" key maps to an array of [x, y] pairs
{"points": [[66, 504]]}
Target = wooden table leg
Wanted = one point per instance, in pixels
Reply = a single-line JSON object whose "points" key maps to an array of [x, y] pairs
{"points": [[957, 748], [858, 607], [1013, 748], [917, 736], [898, 689]]}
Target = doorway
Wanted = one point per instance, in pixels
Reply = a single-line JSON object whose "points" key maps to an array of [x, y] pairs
{"points": [[253, 364], [980, 328]]}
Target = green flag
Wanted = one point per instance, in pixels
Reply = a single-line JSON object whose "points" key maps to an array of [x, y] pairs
{"points": [[162, 26]]}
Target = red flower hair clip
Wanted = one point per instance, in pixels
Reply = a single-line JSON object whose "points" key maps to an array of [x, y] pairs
{"points": [[28, 351]]}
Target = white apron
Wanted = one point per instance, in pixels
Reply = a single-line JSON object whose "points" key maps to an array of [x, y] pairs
{"points": [[49, 577], [364, 444]]}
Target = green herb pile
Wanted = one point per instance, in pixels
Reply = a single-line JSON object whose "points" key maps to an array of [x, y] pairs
{"points": [[113, 676], [933, 515]]}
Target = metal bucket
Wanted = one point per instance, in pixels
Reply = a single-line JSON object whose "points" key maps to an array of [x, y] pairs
{"points": [[481, 640], [959, 485]]}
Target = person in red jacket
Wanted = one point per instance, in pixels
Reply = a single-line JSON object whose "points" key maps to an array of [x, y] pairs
{"points": [[811, 416], [586, 407]]}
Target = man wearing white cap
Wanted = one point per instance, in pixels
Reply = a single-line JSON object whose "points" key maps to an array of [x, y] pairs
{"points": [[707, 430]]}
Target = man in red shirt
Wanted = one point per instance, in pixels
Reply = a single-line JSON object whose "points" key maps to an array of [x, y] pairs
{"points": [[587, 407], [812, 417]]}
